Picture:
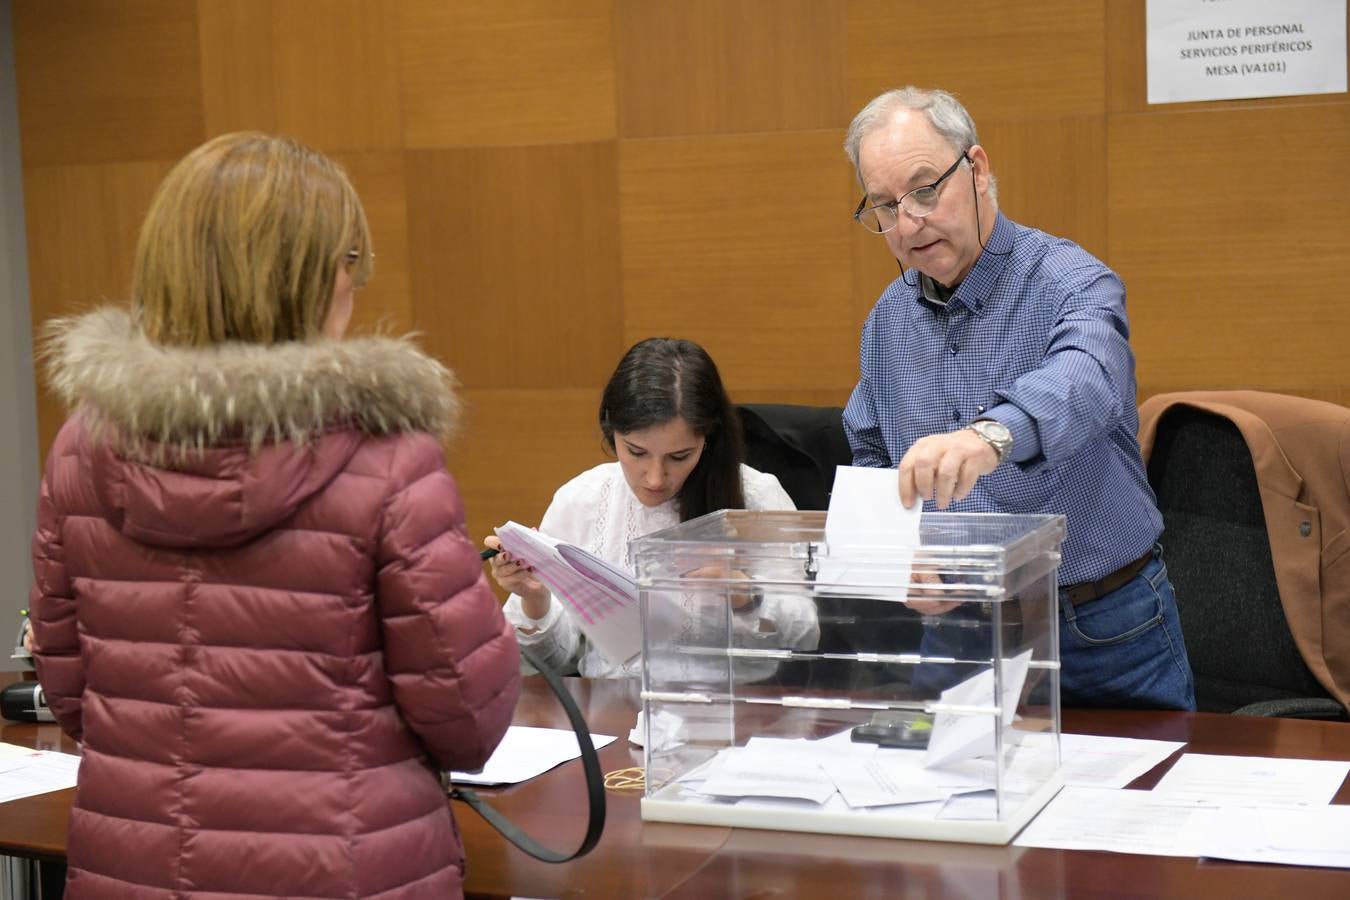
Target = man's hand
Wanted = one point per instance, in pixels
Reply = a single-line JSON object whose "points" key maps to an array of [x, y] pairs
{"points": [[929, 602], [944, 467]]}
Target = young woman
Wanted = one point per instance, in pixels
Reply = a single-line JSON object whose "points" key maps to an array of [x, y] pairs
{"points": [[255, 603], [666, 416]]}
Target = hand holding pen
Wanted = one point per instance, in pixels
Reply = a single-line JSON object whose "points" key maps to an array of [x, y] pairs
{"points": [[513, 575]]}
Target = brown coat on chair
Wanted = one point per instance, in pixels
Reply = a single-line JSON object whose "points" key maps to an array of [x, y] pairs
{"points": [[1301, 451]]}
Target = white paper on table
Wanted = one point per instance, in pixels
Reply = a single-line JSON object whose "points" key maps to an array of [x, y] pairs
{"points": [[25, 772], [1207, 780], [1091, 760], [743, 772], [959, 736], [871, 536], [525, 752], [1319, 836], [1086, 760], [1116, 821]]}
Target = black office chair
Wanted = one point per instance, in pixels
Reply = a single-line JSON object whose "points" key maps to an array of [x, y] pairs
{"points": [[1219, 560], [801, 445]]}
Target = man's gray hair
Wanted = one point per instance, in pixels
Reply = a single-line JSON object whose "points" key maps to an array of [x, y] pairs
{"points": [[948, 117]]}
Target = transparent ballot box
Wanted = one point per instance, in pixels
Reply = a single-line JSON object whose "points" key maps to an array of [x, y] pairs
{"points": [[895, 690]]}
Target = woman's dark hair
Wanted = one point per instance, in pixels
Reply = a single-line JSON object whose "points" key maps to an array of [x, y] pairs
{"points": [[660, 379]]}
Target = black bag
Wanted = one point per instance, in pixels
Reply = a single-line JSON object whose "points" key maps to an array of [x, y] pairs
{"points": [[595, 785]]}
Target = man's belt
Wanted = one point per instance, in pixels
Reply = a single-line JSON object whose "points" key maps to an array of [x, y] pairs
{"points": [[1087, 591]]}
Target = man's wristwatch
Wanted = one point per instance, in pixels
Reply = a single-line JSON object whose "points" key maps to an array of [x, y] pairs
{"points": [[995, 434]]}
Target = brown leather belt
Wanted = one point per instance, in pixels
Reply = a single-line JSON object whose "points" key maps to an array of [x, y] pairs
{"points": [[1087, 591]]}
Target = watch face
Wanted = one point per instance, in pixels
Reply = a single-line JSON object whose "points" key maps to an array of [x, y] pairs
{"points": [[996, 430]]}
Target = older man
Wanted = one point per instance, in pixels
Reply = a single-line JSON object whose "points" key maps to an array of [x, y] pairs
{"points": [[997, 375]]}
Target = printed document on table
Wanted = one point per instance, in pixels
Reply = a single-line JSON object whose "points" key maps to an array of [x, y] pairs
{"points": [[1116, 821], [526, 752], [1091, 760], [25, 772], [871, 536], [1298, 837], [1207, 780]]}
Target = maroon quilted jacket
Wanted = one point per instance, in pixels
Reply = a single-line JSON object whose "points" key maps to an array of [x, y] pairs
{"points": [[256, 606]]}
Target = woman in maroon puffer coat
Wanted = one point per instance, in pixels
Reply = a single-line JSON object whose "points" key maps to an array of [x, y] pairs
{"points": [[255, 603]]}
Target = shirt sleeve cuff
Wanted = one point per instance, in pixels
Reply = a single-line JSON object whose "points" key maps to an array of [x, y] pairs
{"points": [[538, 628], [1026, 440]]}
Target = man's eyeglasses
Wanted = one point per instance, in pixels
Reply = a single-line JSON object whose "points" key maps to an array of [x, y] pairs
{"points": [[920, 202]]}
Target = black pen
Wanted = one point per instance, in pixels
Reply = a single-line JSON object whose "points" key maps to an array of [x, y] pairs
{"points": [[489, 553]]}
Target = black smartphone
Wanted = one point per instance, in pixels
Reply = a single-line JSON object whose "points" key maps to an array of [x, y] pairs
{"points": [[895, 728]]}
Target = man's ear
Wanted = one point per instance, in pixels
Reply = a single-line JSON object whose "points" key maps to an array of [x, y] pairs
{"points": [[979, 161]]}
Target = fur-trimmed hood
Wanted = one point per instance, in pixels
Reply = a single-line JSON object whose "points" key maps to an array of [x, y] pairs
{"points": [[199, 447], [191, 398]]}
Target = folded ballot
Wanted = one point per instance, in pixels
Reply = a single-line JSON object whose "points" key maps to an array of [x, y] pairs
{"points": [[600, 597]]}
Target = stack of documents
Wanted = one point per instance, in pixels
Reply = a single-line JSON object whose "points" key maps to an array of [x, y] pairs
{"points": [[1228, 807], [601, 598]]}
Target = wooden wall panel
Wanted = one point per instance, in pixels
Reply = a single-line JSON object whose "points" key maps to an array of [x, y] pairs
{"points": [[1005, 59], [516, 447], [506, 72], [101, 82], [322, 71], [515, 262], [1052, 175], [742, 243], [730, 66], [83, 222], [1234, 250]]}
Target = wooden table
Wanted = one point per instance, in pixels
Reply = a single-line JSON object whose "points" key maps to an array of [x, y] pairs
{"points": [[637, 860]]}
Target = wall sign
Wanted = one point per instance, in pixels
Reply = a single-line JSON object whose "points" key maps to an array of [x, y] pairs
{"points": [[1227, 49]]}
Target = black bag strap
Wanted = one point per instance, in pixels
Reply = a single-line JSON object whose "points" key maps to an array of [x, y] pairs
{"points": [[595, 783]]}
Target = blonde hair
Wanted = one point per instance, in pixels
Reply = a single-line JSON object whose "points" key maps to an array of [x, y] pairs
{"points": [[243, 241]]}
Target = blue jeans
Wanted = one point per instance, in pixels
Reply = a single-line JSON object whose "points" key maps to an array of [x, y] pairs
{"points": [[1125, 648]]}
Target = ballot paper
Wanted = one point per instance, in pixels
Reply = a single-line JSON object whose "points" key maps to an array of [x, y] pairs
{"points": [[962, 730], [801, 769], [525, 752], [738, 772], [871, 536], [881, 781], [1298, 837], [665, 731], [1206, 780]]}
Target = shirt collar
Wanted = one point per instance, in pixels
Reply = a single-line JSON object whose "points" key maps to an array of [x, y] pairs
{"points": [[974, 290]]}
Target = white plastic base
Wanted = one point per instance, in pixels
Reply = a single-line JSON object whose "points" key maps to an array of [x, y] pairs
{"points": [[969, 831]]}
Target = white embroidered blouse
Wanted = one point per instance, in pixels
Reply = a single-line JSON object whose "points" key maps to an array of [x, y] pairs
{"points": [[598, 512]]}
